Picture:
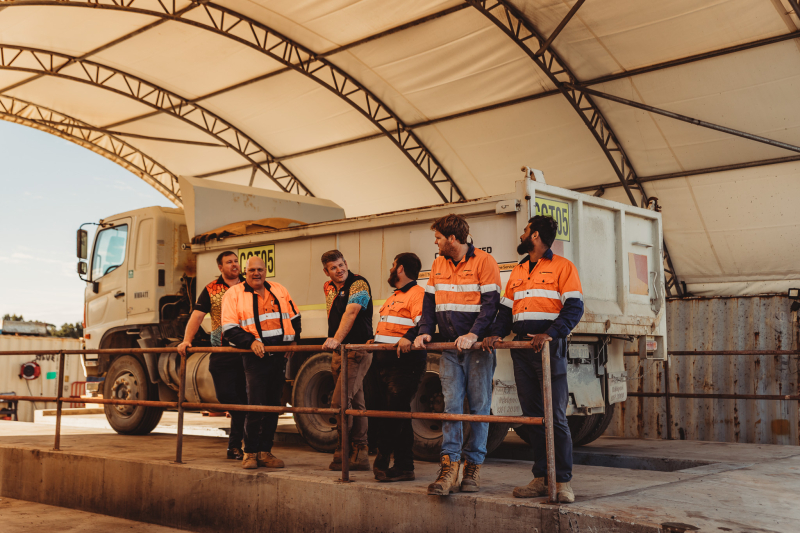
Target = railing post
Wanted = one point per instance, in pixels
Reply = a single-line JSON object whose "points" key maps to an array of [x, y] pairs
{"points": [[343, 417], [181, 398], [59, 403], [669, 400], [548, 423]]}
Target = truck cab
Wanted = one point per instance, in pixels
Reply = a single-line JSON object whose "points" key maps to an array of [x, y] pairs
{"points": [[140, 285]]}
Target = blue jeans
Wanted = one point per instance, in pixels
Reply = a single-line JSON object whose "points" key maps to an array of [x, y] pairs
{"points": [[469, 372]]}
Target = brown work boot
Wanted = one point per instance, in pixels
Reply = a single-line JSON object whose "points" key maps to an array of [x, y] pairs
{"points": [[269, 460], [379, 466], [535, 489], [336, 464], [250, 461], [471, 481], [447, 481], [564, 493], [359, 457]]}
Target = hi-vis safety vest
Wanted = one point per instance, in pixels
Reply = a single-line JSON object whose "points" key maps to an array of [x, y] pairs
{"points": [[241, 305], [401, 312], [541, 294]]}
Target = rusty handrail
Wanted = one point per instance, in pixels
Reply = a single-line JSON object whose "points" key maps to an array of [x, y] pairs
{"points": [[343, 411]]}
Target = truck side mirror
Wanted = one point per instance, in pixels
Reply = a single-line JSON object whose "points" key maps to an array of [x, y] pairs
{"points": [[82, 268], [83, 244]]}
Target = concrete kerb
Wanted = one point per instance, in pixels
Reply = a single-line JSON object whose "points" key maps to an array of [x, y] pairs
{"points": [[205, 498]]}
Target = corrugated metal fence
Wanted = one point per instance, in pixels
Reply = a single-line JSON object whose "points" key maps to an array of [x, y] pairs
{"points": [[737, 323], [46, 384]]}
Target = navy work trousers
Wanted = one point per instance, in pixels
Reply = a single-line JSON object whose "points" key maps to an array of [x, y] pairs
{"points": [[528, 376], [265, 378], [227, 371], [398, 381]]}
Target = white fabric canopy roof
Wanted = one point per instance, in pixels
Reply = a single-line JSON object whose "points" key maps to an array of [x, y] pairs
{"points": [[383, 106]]}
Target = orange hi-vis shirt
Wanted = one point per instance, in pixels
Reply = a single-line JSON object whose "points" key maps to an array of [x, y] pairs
{"points": [[547, 299], [276, 313], [461, 298], [400, 314]]}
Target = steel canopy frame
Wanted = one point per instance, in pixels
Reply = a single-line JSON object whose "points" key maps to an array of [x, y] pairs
{"points": [[53, 64], [520, 30], [228, 23], [102, 143]]}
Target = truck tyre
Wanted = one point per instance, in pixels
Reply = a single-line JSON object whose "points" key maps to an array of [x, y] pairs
{"points": [[127, 380], [597, 430], [428, 433], [313, 387], [582, 429]]}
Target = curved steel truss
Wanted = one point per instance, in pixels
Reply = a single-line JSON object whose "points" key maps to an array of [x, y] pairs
{"points": [[44, 62], [103, 143], [228, 23], [520, 30]]}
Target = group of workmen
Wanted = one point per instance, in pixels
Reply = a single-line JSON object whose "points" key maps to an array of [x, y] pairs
{"points": [[461, 301]]}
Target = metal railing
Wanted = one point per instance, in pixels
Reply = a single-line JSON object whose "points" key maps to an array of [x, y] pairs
{"points": [[668, 394], [181, 405]]}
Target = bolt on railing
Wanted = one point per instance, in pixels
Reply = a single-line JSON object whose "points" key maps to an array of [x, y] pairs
{"points": [[344, 411]]}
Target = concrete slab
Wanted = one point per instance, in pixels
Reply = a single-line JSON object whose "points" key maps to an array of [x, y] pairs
{"points": [[739, 487], [19, 516]]}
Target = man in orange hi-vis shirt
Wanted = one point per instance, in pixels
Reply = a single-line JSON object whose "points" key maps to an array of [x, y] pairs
{"points": [[461, 299], [256, 315], [399, 373], [543, 302]]}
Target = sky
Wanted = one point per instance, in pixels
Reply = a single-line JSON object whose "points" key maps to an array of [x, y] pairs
{"points": [[48, 188]]}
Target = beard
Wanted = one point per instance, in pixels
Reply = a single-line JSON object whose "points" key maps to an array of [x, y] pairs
{"points": [[393, 278], [525, 247], [448, 251]]}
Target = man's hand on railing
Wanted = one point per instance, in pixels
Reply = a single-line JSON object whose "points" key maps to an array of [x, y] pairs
{"points": [[419, 342], [488, 343], [403, 346], [182, 347], [258, 348], [288, 355], [330, 344], [465, 342], [537, 341]]}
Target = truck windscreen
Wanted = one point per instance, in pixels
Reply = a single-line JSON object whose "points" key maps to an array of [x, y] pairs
{"points": [[109, 250]]}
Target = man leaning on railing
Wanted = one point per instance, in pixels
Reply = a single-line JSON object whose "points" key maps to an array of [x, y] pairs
{"points": [[256, 315]]}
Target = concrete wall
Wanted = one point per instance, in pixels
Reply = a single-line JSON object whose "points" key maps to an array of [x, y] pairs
{"points": [[46, 384]]}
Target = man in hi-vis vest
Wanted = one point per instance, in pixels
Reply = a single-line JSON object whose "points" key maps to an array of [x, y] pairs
{"points": [[543, 302], [256, 315], [399, 373]]}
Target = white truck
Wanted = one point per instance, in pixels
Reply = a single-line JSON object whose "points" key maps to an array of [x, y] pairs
{"points": [[144, 275]]}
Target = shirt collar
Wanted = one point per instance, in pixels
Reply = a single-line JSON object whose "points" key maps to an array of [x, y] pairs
{"points": [[221, 280], [547, 255], [248, 288], [407, 286]]}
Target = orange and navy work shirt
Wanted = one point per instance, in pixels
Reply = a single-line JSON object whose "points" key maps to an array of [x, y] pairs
{"points": [[210, 301], [461, 298], [400, 314], [546, 298], [246, 316]]}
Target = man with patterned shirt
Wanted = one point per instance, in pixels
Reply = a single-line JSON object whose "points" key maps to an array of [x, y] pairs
{"points": [[349, 302], [227, 371]]}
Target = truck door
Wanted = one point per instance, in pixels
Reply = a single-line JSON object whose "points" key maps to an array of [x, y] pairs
{"points": [[141, 293], [106, 308]]}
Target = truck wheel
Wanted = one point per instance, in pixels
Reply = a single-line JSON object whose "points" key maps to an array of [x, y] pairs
{"points": [[597, 430], [428, 433], [579, 427], [313, 387], [127, 380]]}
